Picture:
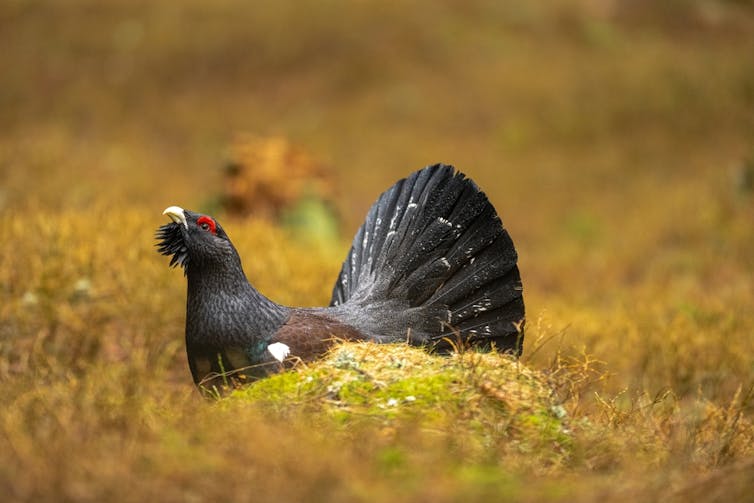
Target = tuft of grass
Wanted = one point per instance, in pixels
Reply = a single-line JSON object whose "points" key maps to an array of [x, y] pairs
{"points": [[489, 402]]}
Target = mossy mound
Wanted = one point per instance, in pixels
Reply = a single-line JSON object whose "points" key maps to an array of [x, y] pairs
{"points": [[487, 397]]}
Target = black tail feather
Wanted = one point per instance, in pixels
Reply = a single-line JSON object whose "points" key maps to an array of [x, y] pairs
{"points": [[434, 249]]}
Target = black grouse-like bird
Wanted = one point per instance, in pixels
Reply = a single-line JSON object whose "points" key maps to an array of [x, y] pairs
{"points": [[431, 265]]}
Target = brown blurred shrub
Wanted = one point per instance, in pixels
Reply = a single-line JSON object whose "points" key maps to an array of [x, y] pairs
{"points": [[267, 175]]}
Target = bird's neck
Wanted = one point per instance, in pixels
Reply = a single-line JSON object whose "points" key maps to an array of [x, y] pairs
{"points": [[224, 310]]}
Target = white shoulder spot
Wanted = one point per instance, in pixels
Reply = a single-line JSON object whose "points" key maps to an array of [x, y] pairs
{"points": [[279, 351]]}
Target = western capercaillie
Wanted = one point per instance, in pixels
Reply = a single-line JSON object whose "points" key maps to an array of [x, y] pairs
{"points": [[431, 265]]}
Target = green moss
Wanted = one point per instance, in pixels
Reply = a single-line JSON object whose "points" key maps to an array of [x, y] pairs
{"points": [[487, 396], [284, 390]]}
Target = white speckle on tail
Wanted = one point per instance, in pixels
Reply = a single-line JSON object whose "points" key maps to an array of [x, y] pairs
{"points": [[279, 350], [445, 221], [393, 220], [482, 305], [411, 206], [445, 262]]}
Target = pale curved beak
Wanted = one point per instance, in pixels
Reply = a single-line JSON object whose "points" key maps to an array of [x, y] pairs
{"points": [[176, 214]]}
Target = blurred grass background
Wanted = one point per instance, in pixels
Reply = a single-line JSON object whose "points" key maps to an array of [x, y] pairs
{"points": [[615, 138]]}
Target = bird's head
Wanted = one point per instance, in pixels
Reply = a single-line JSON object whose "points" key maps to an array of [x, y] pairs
{"points": [[193, 238]]}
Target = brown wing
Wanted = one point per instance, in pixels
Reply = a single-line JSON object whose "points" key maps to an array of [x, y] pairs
{"points": [[309, 334]]}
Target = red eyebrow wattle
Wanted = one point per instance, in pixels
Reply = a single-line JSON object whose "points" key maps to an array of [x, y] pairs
{"points": [[207, 220]]}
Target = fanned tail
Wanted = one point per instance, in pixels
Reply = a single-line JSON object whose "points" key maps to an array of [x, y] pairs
{"points": [[432, 262]]}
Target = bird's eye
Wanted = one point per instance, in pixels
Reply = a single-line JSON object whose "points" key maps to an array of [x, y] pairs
{"points": [[207, 224]]}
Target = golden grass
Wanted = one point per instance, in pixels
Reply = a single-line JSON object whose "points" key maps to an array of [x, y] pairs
{"points": [[612, 143], [97, 397]]}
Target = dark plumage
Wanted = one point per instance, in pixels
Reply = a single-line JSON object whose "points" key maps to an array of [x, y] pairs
{"points": [[431, 265]]}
